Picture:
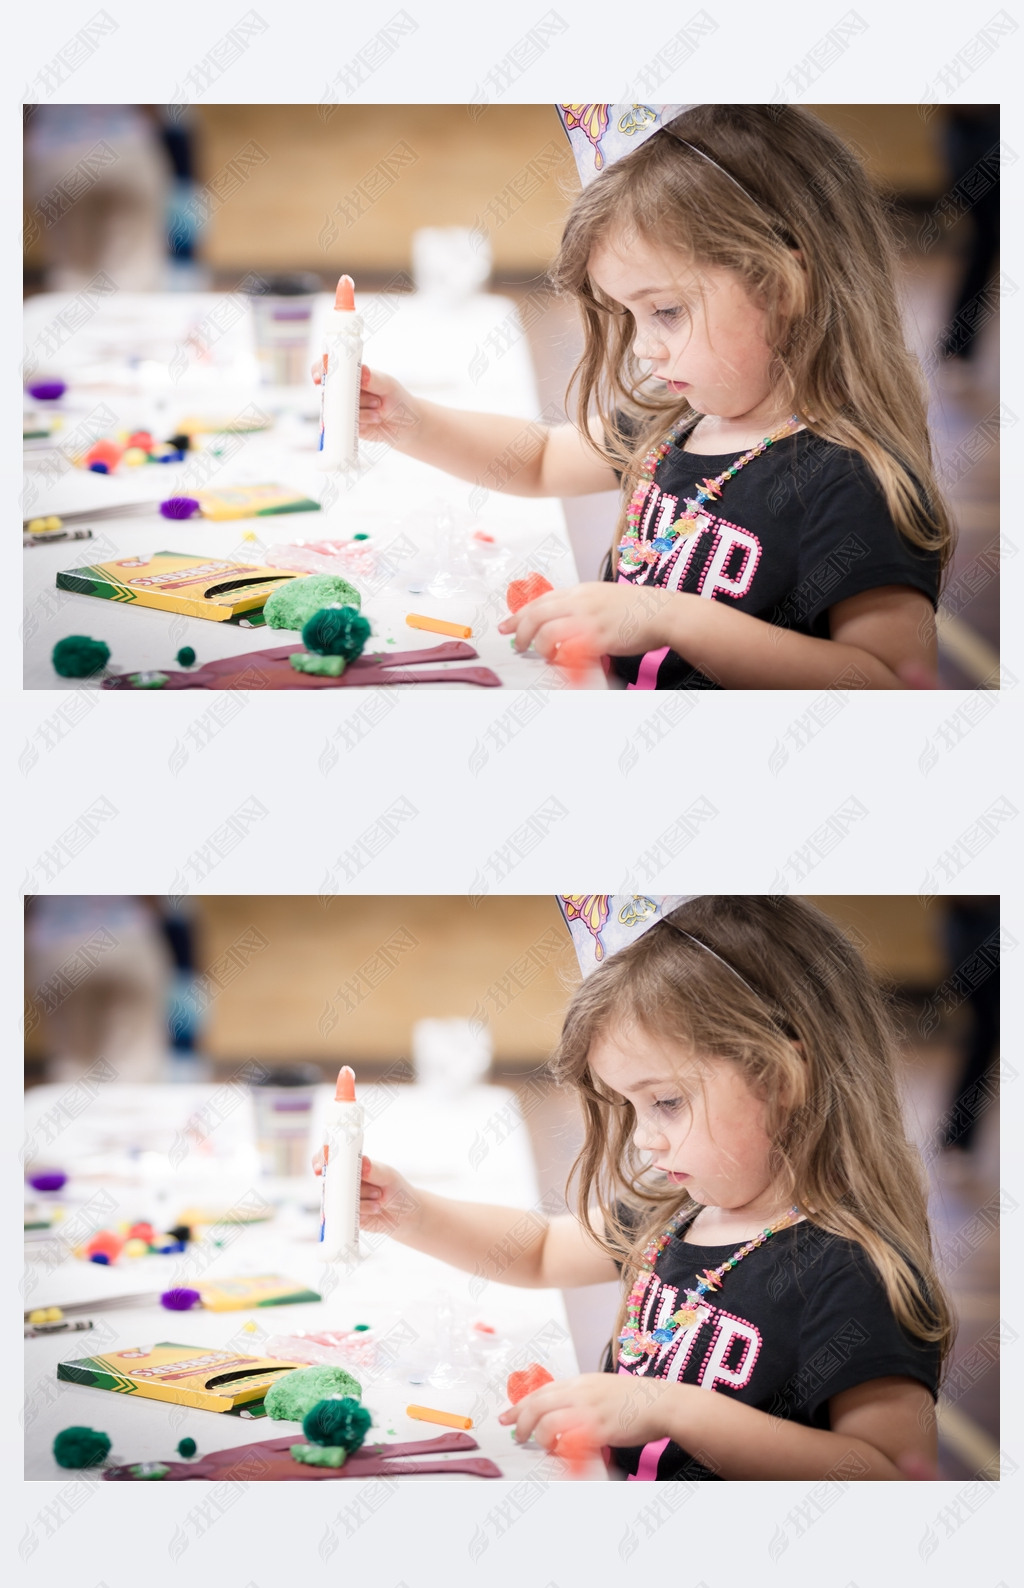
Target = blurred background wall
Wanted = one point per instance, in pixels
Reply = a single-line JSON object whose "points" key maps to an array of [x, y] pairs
{"points": [[345, 186], [283, 978]]}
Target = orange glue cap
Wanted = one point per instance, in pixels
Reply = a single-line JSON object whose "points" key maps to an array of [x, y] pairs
{"points": [[344, 298], [345, 1091]]}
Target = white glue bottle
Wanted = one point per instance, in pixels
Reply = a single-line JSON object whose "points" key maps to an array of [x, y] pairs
{"points": [[342, 1172], [339, 382]]}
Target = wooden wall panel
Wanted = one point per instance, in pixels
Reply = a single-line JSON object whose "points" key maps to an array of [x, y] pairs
{"points": [[275, 213], [416, 165], [348, 981], [322, 987]]}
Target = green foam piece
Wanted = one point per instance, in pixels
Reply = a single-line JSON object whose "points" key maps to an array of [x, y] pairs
{"points": [[320, 1455], [296, 602], [298, 1392], [330, 666], [147, 680]]}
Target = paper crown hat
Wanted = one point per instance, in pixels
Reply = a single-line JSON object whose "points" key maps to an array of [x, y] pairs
{"points": [[602, 923], [601, 134]]}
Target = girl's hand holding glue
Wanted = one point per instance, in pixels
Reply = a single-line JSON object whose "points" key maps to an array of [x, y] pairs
{"points": [[386, 1199], [608, 1408], [385, 407]]}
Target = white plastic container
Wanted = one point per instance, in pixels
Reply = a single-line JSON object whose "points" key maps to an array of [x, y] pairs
{"points": [[341, 1173], [339, 382]]}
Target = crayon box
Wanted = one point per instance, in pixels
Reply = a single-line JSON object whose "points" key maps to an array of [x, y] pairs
{"points": [[201, 587], [191, 1375]]}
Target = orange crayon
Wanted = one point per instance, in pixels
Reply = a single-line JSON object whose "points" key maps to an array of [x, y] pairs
{"points": [[426, 1414], [459, 631]]}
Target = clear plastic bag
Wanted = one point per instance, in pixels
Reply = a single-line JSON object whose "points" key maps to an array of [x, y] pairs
{"points": [[347, 558]]}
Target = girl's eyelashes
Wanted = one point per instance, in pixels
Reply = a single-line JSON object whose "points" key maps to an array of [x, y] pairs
{"points": [[668, 1105], [667, 314]]}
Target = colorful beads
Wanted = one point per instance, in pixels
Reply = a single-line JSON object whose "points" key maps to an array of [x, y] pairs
{"points": [[632, 549], [634, 1342]]}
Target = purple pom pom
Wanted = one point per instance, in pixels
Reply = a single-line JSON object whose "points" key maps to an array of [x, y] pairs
{"points": [[47, 391], [179, 507], [52, 1180], [179, 1300]]}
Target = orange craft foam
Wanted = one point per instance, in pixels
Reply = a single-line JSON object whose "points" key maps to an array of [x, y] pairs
{"points": [[426, 1414], [345, 1091], [344, 297], [460, 631]]}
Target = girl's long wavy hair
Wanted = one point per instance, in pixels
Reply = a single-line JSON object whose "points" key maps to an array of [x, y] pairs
{"points": [[839, 355], [839, 1147]]}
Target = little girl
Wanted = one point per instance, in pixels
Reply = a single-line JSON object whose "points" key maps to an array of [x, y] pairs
{"points": [[746, 1171], [745, 378]]}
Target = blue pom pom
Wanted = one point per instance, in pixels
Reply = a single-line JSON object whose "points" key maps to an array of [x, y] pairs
{"points": [[98, 468], [100, 1257]]}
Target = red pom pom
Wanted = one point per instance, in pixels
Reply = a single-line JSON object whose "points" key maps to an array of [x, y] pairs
{"points": [[108, 452], [105, 1244], [520, 591], [526, 1380], [142, 1232]]}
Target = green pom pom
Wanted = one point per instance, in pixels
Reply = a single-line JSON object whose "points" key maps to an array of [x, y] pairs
{"points": [[80, 657], [337, 1422], [329, 666], [80, 1447], [319, 1455], [294, 603], [336, 631], [186, 656], [298, 1391], [186, 1447]]}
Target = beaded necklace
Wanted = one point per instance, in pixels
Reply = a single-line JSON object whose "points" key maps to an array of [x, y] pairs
{"points": [[635, 1342], [633, 552]]}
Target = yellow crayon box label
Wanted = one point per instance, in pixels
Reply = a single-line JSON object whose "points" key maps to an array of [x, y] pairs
{"points": [[201, 587]]}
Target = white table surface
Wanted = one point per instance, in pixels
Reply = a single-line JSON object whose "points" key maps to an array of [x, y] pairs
{"points": [[133, 359], [148, 1152]]}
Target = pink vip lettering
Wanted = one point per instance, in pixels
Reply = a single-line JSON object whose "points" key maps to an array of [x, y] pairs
{"points": [[716, 580], [734, 1348]]}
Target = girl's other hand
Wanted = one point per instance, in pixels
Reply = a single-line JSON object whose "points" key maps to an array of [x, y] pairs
{"points": [[603, 619], [613, 1409], [386, 1199], [385, 407]]}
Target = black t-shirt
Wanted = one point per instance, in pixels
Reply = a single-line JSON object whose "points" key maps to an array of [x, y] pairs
{"points": [[795, 1322], [799, 528]]}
